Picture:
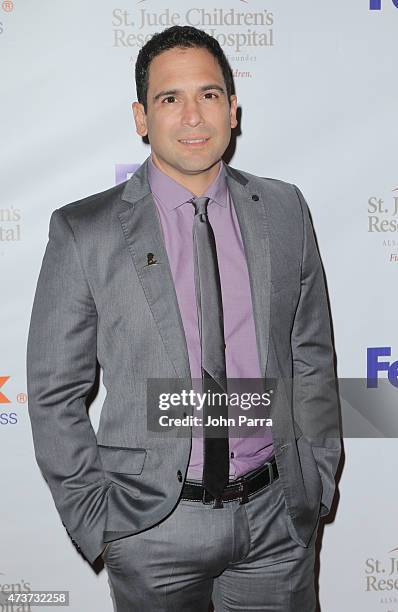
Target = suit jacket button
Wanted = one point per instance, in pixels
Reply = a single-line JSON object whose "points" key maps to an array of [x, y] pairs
{"points": [[255, 197], [179, 476]]}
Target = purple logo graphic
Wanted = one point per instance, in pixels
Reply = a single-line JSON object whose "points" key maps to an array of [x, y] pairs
{"points": [[122, 172], [375, 5], [374, 366]]}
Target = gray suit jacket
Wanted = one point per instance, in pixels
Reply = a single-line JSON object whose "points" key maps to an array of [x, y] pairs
{"points": [[97, 299]]}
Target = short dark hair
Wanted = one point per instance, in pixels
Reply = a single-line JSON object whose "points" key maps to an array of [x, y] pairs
{"points": [[183, 37]]}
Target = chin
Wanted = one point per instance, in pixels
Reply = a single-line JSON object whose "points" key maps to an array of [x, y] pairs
{"points": [[198, 165]]}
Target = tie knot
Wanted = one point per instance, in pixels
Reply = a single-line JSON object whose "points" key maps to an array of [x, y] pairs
{"points": [[200, 205]]}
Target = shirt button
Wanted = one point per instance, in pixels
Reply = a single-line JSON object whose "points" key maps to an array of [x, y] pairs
{"points": [[232, 455], [255, 197], [179, 476]]}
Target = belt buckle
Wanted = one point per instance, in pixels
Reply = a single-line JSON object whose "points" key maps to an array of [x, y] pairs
{"points": [[207, 498]]}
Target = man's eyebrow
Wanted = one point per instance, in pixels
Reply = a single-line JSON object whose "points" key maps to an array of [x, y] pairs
{"points": [[172, 92]]}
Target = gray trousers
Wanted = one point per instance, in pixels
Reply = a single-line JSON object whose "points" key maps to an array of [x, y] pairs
{"points": [[240, 556]]}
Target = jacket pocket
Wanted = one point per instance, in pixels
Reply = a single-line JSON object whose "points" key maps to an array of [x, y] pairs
{"points": [[122, 460]]}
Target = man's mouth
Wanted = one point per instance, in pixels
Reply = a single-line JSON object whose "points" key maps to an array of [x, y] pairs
{"points": [[194, 142]]}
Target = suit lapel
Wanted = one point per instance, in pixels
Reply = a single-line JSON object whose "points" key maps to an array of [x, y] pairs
{"points": [[253, 225], [143, 233]]}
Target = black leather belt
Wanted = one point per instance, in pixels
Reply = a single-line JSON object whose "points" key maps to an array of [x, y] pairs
{"points": [[242, 488]]}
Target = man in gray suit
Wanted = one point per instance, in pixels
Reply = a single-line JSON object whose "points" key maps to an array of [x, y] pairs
{"points": [[191, 269]]}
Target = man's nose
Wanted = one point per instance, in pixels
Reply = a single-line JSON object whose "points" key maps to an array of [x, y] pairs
{"points": [[191, 113]]}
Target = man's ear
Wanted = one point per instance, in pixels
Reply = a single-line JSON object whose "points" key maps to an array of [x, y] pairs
{"points": [[139, 118], [232, 111]]}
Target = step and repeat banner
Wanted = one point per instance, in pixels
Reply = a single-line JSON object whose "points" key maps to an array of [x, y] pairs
{"points": [[317, 90]]}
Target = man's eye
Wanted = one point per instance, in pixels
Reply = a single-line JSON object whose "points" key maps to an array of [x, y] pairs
{"points": [[210, 93], [168, 98]]}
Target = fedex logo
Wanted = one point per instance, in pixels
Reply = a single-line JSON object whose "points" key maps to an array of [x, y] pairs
{"points": [[376, 365], [3, 398], [375, 5]]}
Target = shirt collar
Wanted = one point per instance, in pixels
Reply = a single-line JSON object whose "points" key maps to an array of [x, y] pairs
{"points": [[172, 194]]}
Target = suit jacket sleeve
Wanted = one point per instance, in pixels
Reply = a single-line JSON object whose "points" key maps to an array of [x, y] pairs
{"points": [[315, 399], [61, 368]]}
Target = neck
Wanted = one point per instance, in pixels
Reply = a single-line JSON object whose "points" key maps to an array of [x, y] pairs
{"points": [[196, 183]]}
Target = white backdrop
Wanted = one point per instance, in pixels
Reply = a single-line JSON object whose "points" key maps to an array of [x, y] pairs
{"points": [[318, 92]]}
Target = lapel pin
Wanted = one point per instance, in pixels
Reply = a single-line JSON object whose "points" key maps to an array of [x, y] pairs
{"points": [[151, 259]]}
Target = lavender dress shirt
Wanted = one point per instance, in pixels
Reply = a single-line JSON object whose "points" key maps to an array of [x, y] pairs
{"points": [[176, 217]]}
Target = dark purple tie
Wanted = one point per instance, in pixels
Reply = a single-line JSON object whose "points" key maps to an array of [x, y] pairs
{"points": [[211, 331]]}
